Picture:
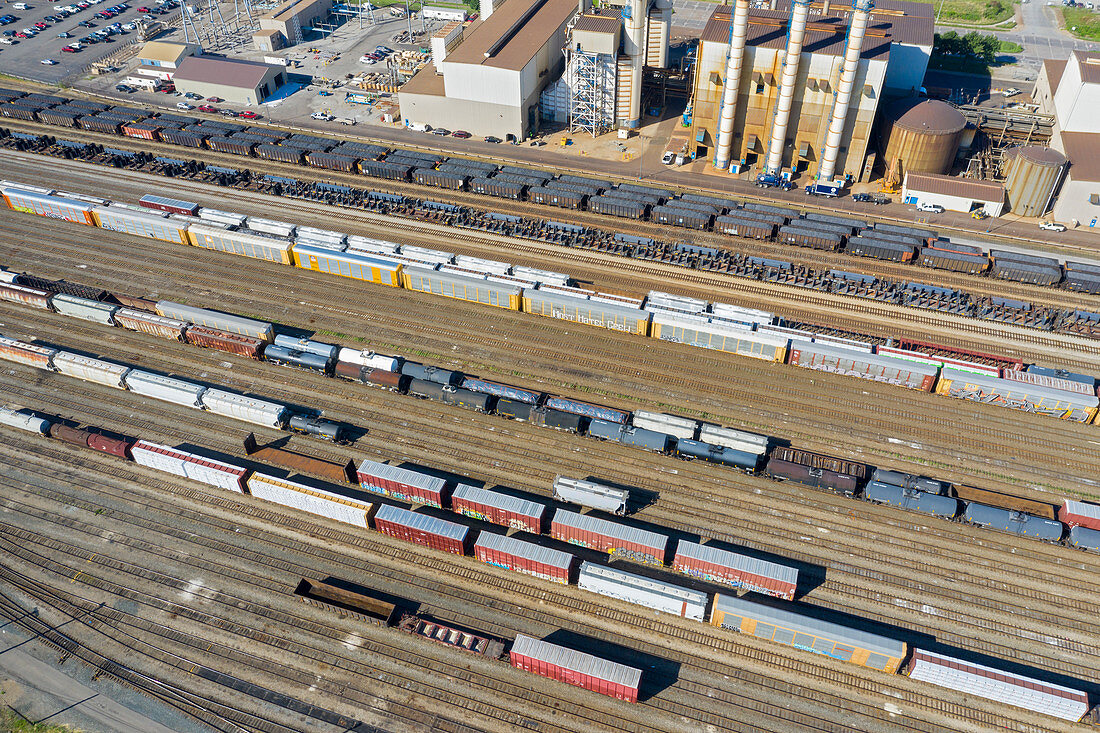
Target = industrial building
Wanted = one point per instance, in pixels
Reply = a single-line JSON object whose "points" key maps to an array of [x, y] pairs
{"points": [[796, 86], [282, 26], [160, 59], [486, 77], [954, 193], [242, 82], [1070, 91]]}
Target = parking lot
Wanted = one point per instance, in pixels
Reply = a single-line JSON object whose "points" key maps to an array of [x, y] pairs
{"points": [[24, 56]]}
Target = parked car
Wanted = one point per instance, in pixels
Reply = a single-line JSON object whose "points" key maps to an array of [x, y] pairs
{"points": [[69, 49], [321, 116], [930, 208], [227, 113], [460, 134], [493, 139], [192, 95], [249, 115], [1052, 226], [48, 62], [870, 198], [184, 106], [441, 131], [124, 88], [8, 41], [668, 157], [207, 108], [215, 100]]}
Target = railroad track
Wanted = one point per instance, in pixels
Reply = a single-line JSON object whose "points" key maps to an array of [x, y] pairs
{"points": [[788, 300], [876, 589], [673, 632]]}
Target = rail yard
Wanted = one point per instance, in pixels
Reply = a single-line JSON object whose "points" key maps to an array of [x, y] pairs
{"points": [[193, 584]]}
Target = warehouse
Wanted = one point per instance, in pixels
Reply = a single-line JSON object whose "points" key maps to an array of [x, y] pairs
{"points": [[160, 59], [489, 81], [285, 24], [241, 82], [954, 194]]}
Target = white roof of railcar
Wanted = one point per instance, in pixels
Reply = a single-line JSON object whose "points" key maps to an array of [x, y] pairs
{"points": [[422, 522], [576, 661], [1006, 386], [744, 563], [623, 579], [1082, 509], [402, 475], [513, 504], [528, 550], [588, 523]]}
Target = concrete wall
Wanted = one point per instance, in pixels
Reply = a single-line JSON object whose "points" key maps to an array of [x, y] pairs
{"points": [[1076, 104], [1073, 204], [908, 64], [951, 203], [809, 115], [477, 118], [477, 82], [1042, 94], [307, 14]]}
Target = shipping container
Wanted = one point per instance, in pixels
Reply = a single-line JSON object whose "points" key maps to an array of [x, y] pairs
{"points": [[84, 309], [1013, 522], [248, 409], [189, 465], [437, 534], [616, 539], [21, 352], [169, 389], [118, 219], [498, 508], [232, 343], [642, 591], [709, 332], [740, 571], [17, 418], [53, 207], [1016, 395], [34, 297], [591, 494], [320, 502], [150, 323], [785, 625], [911, 499], [216, 320], [378, 270], [524, 557], [91, 370], [461, 287], [875, 367], [402, 483], [679, 427], [999, 686], [1080, 514], [575, 668]]}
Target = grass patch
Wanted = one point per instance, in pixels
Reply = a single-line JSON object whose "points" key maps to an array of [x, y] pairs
{"points": [[1082, 23], [1011, 47], [979, 12], [12, 723]]}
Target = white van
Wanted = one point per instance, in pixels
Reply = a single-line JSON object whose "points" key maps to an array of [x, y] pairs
{"points": [[21, 6], [419, 127]]}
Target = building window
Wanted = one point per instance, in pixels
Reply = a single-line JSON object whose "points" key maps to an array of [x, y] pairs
{"points": [[760, 88]]}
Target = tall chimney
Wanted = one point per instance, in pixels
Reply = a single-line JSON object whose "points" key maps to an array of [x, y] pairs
{"points": [[739, 28], [857, 29], [796, 34], [634, 47]]}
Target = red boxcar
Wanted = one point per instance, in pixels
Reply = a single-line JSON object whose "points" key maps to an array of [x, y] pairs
{"points": [[233, 343], [1079, 514], [503, 509], [734, 569], [172, 206], [575, 668], [523, 557], [599, 534], [402, 483], [435, 533]]}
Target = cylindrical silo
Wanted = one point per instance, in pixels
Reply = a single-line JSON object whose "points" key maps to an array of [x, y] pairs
{"points": [[922, 136], [1031, 174]]}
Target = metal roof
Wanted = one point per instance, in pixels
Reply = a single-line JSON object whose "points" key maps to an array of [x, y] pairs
{"points": [[824, 35], [809, 625], [225, 72], [167, 51], [744, 563], [596, 525], [598, 23], [1038, 154], [578, 662], [1055, 68], [402, 475], [1082, 509], [930, 116], [527, 550], [1004, 687], [513, 34], [421, 522], [966, 188], [1007, 388], [615, 577], [1083, 151], [513, 504], [876, 360]]}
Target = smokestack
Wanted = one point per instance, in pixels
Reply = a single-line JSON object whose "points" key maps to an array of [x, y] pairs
{"points": [[857, 29], [825, 7], [796, 34], [634, 46], [739, 28]]}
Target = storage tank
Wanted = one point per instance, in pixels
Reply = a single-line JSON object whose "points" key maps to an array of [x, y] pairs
{"points": [[1031, 174], [921, 136]]}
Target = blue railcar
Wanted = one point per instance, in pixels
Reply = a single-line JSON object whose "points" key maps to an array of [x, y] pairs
{"points": [[596, 412], [300, 359], [605, 429], [430, 373], [717, 454], [501, 390]]}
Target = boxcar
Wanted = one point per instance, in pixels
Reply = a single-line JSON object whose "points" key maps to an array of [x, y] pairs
{"points": [[233, 343], [784, 625], [141, 224], [216, 320], [874, 367], [150, 323], [601, 535], [189, 465], [575, 668], [44, 204], [716, 565], [642, 591], [320, 502], [493, 506], [402, 483], [437, 534], [524, 557], [1080, 514], [170, 205]]}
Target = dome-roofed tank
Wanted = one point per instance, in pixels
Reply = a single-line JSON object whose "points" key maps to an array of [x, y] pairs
{"points": [[921, 136], [1031, 173]]}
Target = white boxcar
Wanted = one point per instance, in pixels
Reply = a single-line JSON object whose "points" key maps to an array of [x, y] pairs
{"points": [[718, 334], [84, 308], [267, 226], [591, 494], [142, 223], [216, 319], [150, 323], [249, 409], [369, 359], [643, 591], [545, 277], [222, 217], [311, 500], [999, 686], [736, 439], [16, 418], [169, 389], [91, 370], [427, 255], [680, 427], [181, 463]]}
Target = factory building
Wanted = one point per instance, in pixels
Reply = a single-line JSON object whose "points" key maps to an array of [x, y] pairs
{"points": [[954, 193], [1070, 91], [283, 25], [486, 77], [160, 59], [796, 86], [241, 82]]}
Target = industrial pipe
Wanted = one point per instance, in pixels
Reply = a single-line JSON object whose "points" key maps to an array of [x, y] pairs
{"points": [[739, 29], [857, 29], [800, 13]]}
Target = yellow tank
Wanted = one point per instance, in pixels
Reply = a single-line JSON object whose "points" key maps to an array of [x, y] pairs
{"points": [[921, 136], [1031, 174]]}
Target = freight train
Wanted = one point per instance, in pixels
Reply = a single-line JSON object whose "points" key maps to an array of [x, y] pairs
{"points": [[857, 237], [786, 623], [720, 327]]}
